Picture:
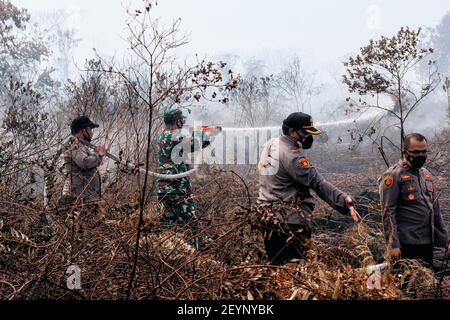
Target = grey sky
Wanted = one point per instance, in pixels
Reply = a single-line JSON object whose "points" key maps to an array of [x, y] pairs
{"points": [[322, 30]]}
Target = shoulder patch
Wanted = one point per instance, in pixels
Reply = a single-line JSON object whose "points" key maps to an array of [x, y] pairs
{"points": [[427, 174], [303, 162], [388, 181]]}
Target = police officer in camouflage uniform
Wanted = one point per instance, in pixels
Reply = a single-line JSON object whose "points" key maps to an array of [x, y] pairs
{"points": [[412, 218], [175, 196], [285, 201]]}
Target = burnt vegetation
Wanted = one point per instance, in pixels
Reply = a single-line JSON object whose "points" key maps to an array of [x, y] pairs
{"points": [[123, 253]]}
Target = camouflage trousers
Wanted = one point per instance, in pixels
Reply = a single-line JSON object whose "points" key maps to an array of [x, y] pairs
{"points": [[178, 211]]}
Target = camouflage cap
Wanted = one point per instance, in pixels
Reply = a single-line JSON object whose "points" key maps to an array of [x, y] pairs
{"points": [[173, 114]]}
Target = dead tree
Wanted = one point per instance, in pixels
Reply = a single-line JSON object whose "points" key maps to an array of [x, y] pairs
{"points": [[159, 81], [298, 84], [386, 68], [256, 99]]}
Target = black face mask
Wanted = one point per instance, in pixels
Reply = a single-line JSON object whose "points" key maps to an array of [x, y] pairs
{"points": [[307, 142], [87, 137], [180, 124], [416, 162]]}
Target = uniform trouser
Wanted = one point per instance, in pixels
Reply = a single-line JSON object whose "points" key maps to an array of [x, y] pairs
{"points": [[284, 242], [86, 208], [83, 214], [176, 209], [179, 210], [422, 252]]}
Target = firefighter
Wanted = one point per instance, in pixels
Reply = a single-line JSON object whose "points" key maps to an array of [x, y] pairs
{"points": [[82, 182], [81, 193], [175, 197], [286, 179]]}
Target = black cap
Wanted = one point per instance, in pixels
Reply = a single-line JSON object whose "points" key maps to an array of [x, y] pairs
{"points": [[303, 121], [80, 123]]}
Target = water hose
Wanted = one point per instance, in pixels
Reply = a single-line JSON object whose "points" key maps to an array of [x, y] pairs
{"points": [[142, 170]]}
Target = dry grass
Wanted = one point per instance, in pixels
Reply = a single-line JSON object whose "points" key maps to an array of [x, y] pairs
{"points": [[34, 257]]}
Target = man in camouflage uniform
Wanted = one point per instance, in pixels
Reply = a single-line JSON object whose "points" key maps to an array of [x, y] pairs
{"points": [[412, 218], [175, 196], [285, 204], [82, 182]]}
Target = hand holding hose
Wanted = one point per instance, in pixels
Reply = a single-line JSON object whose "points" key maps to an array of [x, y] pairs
{"points": [[101, 150]]}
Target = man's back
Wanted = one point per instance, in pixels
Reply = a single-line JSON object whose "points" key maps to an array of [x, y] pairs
{"points": [[80, 169], [166, 142], [286, 175], [276, 181]]}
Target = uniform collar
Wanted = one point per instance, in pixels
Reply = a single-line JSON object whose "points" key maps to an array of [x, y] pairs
{"points": [[404, 164], [287, 140], [75, 140]]}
